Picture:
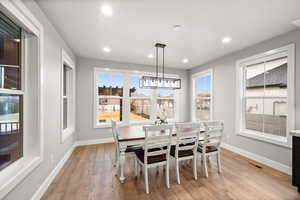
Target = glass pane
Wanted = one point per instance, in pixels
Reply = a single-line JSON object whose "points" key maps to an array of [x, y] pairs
{"points": [[110, 84], [65, 71], [276, 77], [166, 94], [65, 113], [275, 116], [11, 136], [10, 77], [10, 42], [255, 79], [203, 108], [109, 108], [203, 86], [140, 109], [165, 108], [135, 90], [254, 114]]}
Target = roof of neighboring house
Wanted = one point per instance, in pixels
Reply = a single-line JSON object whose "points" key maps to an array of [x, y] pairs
{"points": [[276, 77]]}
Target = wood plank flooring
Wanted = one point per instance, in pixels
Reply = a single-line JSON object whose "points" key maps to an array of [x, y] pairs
{"points": [[89, 174]]}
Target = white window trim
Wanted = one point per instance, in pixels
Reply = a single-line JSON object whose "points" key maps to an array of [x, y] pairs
{"points": [[66, 133], [194, 77], [12, 175], [126, 99], [290, 49]]}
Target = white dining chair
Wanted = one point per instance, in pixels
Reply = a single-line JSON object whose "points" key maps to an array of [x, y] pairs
{"points": [[187, 137], [130, 150], [211, 143], [156, 150]]}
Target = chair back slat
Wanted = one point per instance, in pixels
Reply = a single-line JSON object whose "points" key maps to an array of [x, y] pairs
{"points": [[187, 136], [213, 133], [157, 140]]}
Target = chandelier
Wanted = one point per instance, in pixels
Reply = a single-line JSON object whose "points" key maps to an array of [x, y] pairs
{"points": [[162, 82]]}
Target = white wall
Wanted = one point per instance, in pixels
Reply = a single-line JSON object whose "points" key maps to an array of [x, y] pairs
{"points": [[85, 96], [225, 96], [52, 146]]}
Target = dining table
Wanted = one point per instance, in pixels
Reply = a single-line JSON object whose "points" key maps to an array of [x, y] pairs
{"points": [[134, 135]]}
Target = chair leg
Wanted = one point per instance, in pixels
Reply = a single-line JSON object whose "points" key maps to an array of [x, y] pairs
{"points": [[135, 166], [146, 179], [219, 162], [205, 165], [177, 171], [167, 175], [195, 167]]}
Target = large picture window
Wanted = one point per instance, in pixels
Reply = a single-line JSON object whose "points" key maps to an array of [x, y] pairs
{"points": [[202, 96], [266, 95], [11, 93], [119, 97], [166, 103], [140, 100]]}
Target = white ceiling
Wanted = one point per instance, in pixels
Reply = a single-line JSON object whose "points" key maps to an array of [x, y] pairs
{"points": [[136, 25]]}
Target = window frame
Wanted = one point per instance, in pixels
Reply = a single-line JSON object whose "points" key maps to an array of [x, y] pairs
{"points": [[126, 98], [207, 72], [289, 51], [70, 95]]}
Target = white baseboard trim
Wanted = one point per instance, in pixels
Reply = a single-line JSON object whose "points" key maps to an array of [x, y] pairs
{"points": [[43, 188], [96, 141], [266, 161]]}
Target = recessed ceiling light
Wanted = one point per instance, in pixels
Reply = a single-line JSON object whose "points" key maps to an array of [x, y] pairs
{"points": [[177, 27], [106, 49], [106, 69], [106, 10], [226, 40], [150, 55], [185, 60]]}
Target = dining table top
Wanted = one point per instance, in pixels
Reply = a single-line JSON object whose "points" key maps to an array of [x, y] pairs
{"points": [[136, 132]]}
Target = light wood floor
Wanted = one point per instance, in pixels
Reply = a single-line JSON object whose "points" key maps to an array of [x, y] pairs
{"points": [[89, 174]]}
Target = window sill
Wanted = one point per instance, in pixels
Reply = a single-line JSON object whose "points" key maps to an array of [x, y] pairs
{"points": [[278, 140], [108, 125], [11, 176], [66, 133]]}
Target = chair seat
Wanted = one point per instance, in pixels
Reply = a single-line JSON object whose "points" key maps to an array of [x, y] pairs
{"points": [[133, 149], [209, 149], [182, 153], [151, 159]]}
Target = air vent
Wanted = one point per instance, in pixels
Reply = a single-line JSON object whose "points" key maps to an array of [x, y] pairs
{"points": [[297, 23]]}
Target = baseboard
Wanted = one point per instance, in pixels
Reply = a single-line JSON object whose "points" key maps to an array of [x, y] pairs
{"points": [[266, 161], [96, 141], [43, 188]]}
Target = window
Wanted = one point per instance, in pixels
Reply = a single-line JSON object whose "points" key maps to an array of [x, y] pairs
{"points": [[118, 96], [202, 96], [11, 93], [166, 103], [110, 97], [266, 95], [21, 94], [68, 97], [140, 100]]}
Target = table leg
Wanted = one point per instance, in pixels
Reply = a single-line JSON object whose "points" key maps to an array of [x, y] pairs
{"points": [[122, 162]]}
